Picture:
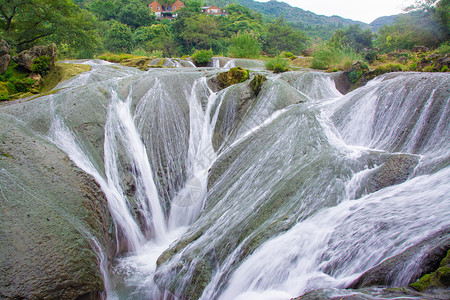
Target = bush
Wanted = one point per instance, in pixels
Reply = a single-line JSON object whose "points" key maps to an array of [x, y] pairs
{"points": [[20, 85], [444, 69], [288, 55], [445, 48], [4, 96], [7, 75], [339, 57], [202, 57], [41, 65], [278, 64], [244, 45]]}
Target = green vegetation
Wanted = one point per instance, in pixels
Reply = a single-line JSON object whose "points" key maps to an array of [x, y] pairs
{"points": [[438, 279], [278, 64], [132, 35], [329, 56], [233, 76], [202, 57], [41, 65], [244, 44]]}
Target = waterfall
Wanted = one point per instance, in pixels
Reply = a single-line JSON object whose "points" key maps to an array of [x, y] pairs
{"points": [[269, 196]]}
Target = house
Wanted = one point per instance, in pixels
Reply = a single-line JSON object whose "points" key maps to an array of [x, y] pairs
{"points": [[213, 10], [166, 11]]}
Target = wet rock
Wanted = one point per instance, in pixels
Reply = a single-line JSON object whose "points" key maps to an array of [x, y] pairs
{"points": [[257, 83], [395, 170], [419, 259], [50, 214], [26, 57], [5, 58], [438, 279]]}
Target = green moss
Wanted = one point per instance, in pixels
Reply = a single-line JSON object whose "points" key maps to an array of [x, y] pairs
{"points": [[62, 72], [233, 76], [439, 278], [257, 83]]}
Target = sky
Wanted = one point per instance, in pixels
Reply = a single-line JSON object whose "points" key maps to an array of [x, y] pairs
{"points": [[360, 10]]}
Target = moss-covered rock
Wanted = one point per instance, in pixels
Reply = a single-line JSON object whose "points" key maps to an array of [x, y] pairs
{"points": [[257, 83], [438, 279], [233, 76], [427, 261], [50, 214]]}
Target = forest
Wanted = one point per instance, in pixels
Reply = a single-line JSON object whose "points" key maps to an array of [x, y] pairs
{"points": [[83, 29]]}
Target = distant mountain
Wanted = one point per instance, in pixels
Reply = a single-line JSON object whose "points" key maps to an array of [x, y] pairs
{"points": [[379, 22], [275, 9]]}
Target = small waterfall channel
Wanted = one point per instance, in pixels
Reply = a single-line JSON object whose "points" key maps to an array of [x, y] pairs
{"points": [[236, 195]]}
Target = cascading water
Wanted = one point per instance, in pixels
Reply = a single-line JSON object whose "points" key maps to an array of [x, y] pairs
{"points": [[233, 195]]}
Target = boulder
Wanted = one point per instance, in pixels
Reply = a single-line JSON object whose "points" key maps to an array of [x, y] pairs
{"points": [[420, 49], [425, 257], [53, 220], [5, 58], [308, 52], [26, 57]]}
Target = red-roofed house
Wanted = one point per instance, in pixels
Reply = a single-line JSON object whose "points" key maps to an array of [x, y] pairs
{"points": [[213, 10], [167, 11]]}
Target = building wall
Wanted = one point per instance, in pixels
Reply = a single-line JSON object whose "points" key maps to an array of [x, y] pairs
{"points": [[177, 5], [155, 6]]}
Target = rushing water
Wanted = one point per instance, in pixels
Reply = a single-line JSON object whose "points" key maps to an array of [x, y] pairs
{"points": [[264, 197]]}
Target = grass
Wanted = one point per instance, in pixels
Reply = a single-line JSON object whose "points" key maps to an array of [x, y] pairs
{"points": [[338, 58], [60, 73], [278, 64]]}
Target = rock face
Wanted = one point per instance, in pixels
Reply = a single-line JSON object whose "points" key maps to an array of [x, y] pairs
{"points": [[51, 217], [26, 57], [5, 58], [387, 273]]}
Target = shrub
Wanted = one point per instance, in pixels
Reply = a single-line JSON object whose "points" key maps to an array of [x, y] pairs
{"points": [[244, 45], [445, 48], [4, 96], [41, 65], [202, 57], [444, 69], [233, 76], [7, 75], [20, 85], [339, 57], [288, 55], [278, 64]]}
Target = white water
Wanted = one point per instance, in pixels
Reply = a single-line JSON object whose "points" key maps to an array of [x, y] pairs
{"points": [[331, 248], [356, 234]]}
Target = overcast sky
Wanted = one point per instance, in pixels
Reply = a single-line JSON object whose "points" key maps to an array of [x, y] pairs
{"points": [[361, 10]]}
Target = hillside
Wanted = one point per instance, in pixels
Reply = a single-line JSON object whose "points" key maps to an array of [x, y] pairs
{"points": [[276, 9], [379, 22]]}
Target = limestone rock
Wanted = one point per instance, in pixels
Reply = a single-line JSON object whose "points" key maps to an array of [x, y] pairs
{"points": [[50, 214], [5, 58], [426, 255], [26, 57]]}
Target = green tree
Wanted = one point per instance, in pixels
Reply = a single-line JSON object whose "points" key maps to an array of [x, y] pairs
{"points": [[244, 44], [119, 38], [135, 14], [27, 22], [282, 37], [353, 36], [201, 32]]}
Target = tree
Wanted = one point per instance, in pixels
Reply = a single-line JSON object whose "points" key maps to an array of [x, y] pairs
{"points": [[281, 37], [26, 22], [201, 32], [119, 38], [354, 36], [135, 14]]}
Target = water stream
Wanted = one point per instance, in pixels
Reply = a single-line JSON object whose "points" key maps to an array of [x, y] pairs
{"points": [[264, 199]]}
